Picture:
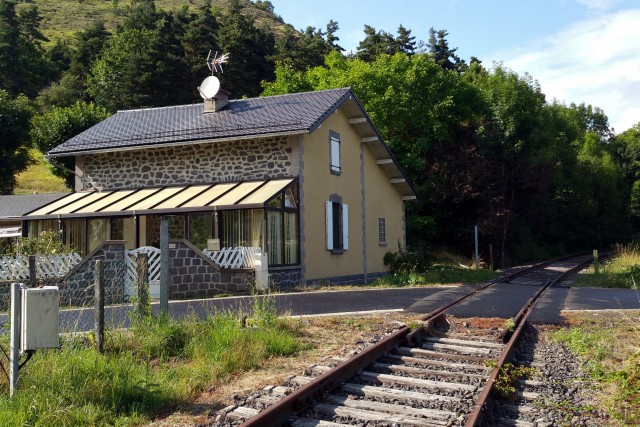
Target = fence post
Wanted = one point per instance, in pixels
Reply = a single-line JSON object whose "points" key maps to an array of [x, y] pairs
{"points": [[143, 285], [14, 350], [164, 264], [33, 280], [596, 262], [98, 313], [261, 267]]}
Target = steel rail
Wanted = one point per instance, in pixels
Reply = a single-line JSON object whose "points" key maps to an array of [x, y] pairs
{"points": [[279, 413], [482, 404]]}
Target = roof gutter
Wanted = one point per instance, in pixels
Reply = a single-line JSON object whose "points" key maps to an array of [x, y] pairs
{"points": [[176, 144]]}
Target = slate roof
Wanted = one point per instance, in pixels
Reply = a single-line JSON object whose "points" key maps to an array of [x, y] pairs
{"points": [[14, 206], [293, 113]]}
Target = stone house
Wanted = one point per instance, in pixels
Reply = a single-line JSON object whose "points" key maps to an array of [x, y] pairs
{"points": [[306, 177]]}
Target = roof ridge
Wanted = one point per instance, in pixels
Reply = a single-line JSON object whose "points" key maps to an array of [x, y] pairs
{"points": [[166, 107]]}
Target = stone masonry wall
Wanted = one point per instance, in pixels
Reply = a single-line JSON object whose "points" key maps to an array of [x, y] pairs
{"points": [[193, 275], [77, 289], [213, 162]]}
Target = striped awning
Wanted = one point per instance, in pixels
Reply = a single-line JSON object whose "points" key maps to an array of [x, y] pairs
{"points": [[162, 200]]}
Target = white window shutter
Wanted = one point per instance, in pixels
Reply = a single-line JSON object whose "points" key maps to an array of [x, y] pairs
{"points": [[345, 227], [329, 220], [335, 154]]}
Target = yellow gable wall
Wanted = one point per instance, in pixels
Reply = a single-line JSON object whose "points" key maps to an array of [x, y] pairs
{"points": [[382, 200], [318, 184]]}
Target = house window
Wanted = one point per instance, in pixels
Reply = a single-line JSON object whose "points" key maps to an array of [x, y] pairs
{"points": [[337, 217], [97, 230], [382, 231], [241, 228], [200, 229], [334, 153], [282, 228], [75, 234]]}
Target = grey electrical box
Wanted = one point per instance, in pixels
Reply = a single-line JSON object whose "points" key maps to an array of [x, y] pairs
{"points": [[40, 323]]}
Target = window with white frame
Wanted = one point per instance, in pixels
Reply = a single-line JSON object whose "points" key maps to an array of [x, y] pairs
{"points": [[382, 231], [337, 217], [334, 153]]}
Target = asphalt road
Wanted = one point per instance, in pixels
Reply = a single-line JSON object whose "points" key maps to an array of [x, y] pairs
{"points": [[503, 300]]}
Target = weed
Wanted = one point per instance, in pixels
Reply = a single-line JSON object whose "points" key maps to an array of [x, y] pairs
{"points": [[508, 378], [609, 344]]}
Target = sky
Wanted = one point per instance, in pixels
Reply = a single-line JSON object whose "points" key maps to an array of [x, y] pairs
{"points": [[580, 51]]}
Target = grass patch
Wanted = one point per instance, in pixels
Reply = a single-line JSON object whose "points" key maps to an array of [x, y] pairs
{"points": [[434, 275], [159, 363], [38, 178], [610, 343], [621, 271]]}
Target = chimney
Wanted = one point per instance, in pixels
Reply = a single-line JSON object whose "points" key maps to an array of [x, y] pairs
{"points": [[217, 103]]}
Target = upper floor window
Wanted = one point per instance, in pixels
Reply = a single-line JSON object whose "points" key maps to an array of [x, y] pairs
{"points": [[334, 152]]}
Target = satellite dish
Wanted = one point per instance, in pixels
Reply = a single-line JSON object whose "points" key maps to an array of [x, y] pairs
{"points": [[209, 87]]}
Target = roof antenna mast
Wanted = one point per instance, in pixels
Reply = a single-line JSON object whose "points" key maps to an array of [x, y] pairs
{"points": [[214, 97], [216, 62]]}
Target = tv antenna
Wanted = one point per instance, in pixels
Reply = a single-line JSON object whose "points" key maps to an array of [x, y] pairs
{"points": [[210, 86], [216, 62]]}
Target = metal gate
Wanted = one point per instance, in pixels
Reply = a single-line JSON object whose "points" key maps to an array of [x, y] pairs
{"points": [[131, 275]]}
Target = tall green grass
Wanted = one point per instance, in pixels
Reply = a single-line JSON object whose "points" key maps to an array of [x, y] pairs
{"points": [[158, 363], [434, 275], [622, 270]]}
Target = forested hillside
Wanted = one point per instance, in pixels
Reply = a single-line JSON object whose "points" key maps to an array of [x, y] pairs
{"points": [[482, 145]]}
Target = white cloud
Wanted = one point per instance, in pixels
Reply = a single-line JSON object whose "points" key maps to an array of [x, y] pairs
{"points": [[599, 4], [595, 61]]}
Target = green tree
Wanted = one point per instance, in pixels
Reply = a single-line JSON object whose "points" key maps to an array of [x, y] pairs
{"points": [[248, 47], [331, 38], [51, 129], [14, 130], [11, 72], [201, 35], [141, 15], [122, 77], [374, 44], [439, 48], [405, 42]]}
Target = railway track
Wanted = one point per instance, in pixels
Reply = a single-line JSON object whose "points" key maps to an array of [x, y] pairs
{"points": [[433, 375]]}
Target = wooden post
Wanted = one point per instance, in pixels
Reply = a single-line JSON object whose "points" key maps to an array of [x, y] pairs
{"points": [[164, 264], [143, 285], [596, 262], [98, 312], [491, 255], [33, 280], [475, 234]]}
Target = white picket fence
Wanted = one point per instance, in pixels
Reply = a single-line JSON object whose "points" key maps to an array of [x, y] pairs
{"points": [[238, 257], [131, 276], [47, 266]]}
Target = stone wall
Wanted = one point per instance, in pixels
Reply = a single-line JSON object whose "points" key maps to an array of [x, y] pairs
{"points": [[77, 289], [213, 162], [193, 275], [285, 279]]}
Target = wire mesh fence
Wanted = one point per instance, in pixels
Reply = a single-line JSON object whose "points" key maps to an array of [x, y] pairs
{"points": [[77, 295]]}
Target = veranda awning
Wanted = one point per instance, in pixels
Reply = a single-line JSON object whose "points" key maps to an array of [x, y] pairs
{"points": [[162, 200]]}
